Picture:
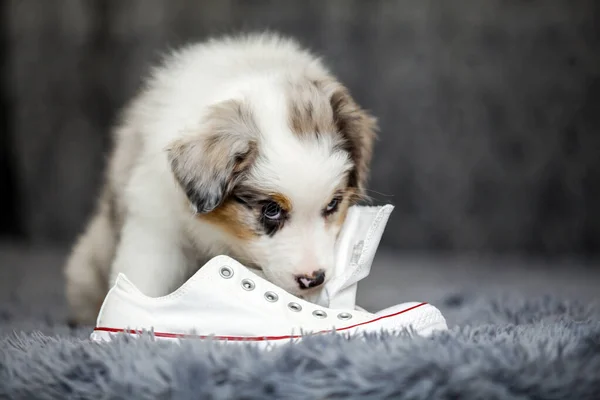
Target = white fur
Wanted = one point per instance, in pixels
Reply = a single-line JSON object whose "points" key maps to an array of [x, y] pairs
{"points": [[161, 242]]}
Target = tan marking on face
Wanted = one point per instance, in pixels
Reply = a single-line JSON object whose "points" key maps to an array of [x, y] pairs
{"points": [[283, 201], [232, 218], [342, 213], [339, 217]]}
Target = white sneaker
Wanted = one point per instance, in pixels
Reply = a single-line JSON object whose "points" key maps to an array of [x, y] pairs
{"points": [[226, 301]]}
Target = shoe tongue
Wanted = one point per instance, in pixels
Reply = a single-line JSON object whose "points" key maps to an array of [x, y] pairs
{"points": [[355, 251]]}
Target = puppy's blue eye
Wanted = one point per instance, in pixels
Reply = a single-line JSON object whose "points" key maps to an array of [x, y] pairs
{"points": [[332, 206], [272, 211]]}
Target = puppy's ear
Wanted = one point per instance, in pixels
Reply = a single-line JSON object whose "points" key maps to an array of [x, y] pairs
{"points": [[210, 164], [358, 129]]}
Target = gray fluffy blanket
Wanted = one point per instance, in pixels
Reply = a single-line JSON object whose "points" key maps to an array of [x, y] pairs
{"points": [[503, 349]]}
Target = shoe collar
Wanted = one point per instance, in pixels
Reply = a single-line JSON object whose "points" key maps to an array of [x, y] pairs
{"points": [[355, 251]]}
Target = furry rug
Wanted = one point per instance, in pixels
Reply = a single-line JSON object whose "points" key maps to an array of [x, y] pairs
{"points": [[537, 349]]}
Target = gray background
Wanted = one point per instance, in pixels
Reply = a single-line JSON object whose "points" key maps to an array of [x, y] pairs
{"points": [[488, 108]]}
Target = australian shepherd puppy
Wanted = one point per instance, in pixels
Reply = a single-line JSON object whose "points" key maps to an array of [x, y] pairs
{"points": [[246, 146]]}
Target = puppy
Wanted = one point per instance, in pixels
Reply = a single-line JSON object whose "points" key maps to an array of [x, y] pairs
{"points": [[246, 146]]}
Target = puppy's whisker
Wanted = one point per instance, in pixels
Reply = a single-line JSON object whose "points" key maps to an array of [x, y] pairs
{"points": [[379, 193], [361, 197]]}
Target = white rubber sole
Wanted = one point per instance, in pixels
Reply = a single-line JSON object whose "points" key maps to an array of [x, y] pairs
{"points": [[421, 319]]}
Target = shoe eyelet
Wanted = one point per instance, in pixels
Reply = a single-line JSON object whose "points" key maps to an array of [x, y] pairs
{"points": [[271, 296], [344, 316], [319, 314], [247, 284], [226, 272], [295, 307]]}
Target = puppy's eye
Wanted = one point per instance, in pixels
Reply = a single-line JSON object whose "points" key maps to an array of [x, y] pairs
{"points": [[272, 211], [332, 206]]}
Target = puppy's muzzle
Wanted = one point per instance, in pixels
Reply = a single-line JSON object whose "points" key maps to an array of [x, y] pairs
{"points": [[310, 281]]}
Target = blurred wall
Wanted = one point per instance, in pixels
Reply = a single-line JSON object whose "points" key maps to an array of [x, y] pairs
{"points": [[489, 109]]}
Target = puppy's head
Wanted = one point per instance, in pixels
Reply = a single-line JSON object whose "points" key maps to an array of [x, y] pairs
{"points": [[276, 174]]}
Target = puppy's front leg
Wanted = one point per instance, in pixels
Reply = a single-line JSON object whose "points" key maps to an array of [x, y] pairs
{"points": [[150, 255]]}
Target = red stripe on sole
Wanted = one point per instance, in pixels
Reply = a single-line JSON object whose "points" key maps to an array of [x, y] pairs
{"points": [[248, 338]]}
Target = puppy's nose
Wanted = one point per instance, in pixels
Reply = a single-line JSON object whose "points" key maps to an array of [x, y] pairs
{"points": [[309, 281]]}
